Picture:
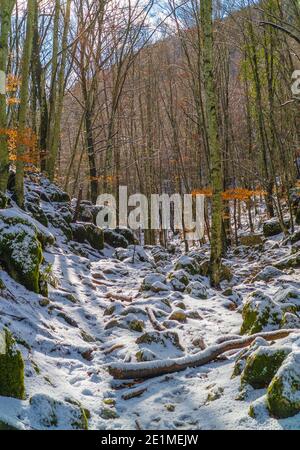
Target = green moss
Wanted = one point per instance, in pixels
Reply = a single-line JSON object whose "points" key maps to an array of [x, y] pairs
{"points": [[180, 276], [136, 325], [11, 368], [188, 264], [258, 312], [262, 365], [52, 413], [21, 251], [283, 398], [3, 200], [251, 240], [251, 412], [108, 413]]}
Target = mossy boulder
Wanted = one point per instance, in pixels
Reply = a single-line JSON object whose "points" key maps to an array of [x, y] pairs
{"points": [[272, 227], [288, 299], [283, 395], [150, 280], [204, 270], [20, 249], [289, 262], [295, 237], [240, 362], [197, 290], [290, 321], [53, 413], [178, 314], [260, 312], [57, 221], [145, 355], [179, 279], [136, 325], [114, 239], [11, 367], [49, 192], [251, 240], [3, 200], [164, 338], [268, 273], [88, 233], [188, 264], [128, 235], [262, 365]]}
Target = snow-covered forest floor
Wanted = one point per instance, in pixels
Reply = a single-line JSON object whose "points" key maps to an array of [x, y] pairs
{"points": [[96, 313]]}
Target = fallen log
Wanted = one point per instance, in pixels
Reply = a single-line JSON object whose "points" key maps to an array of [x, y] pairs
{"points": [[155, 323], [151, 369], [121, 297]]}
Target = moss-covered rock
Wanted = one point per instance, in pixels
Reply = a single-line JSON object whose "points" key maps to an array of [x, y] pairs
{"points": [[283, 395], [290, 321], [145, 355], [114, 239], [109, 413], [20, 249], [295, 237], [251, 240], [272, 227], [190, 265], [136, 325], [260, 312], [240, 362], [57, 221], [163, 338], [178, 314], [197, 290], [53, 413], [179, 280], [268, 273], [3, 200], [290, 262], [150, 280], [88, 233], [11, 367], [262, 365], [204, 270], [36, 211]]}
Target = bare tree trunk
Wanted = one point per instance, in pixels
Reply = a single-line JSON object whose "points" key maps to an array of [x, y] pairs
{"points": [[214, 144], [19, 189]]}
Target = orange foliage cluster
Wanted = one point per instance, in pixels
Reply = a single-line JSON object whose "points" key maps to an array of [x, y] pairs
{"points": [[12, 83], [27, 139], [109, 179], [231, 194]]}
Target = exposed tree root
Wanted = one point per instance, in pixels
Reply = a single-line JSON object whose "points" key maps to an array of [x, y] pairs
{"points": [[155, 368]]}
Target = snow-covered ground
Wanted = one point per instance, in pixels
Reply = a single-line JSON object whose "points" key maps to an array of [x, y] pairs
{"points": [[86, 323]]}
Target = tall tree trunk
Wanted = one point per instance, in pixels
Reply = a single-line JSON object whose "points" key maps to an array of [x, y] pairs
{"points": [[5, 16], [213, 139], [55, 132], [19, 190]]}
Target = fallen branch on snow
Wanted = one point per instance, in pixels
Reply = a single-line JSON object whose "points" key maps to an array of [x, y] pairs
{"points": [[121, 297], [150, 369], [155, 323], [134, 393]]}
